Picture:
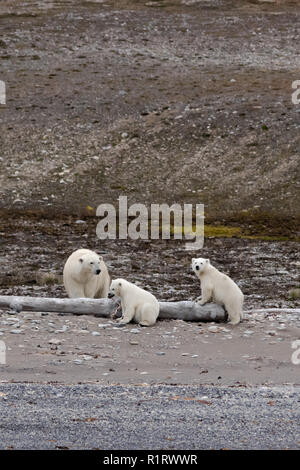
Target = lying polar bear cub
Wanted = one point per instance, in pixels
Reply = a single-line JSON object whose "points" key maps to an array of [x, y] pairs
{"points": [[85, 275], [220, 288], [137, 304]]}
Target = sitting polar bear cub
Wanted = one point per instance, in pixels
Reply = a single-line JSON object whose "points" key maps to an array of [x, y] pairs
{"points": [[137, 304], [85, 275], [220, 288]]}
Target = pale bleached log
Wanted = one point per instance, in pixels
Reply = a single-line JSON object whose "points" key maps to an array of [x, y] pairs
{"points": [[82, 306], [185, 310], [192, 311]]}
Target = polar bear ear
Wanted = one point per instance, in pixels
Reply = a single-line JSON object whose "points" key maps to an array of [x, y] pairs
{"points": [[100, 257], [207, 261], [80, 260], [120, 284]]}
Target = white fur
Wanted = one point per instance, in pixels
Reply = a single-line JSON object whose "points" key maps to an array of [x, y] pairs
{"points": [[81, 278], [137, 304], [220, 288]]}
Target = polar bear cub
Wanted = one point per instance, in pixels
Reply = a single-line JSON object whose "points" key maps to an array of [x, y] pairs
{"points": [[137, 304], [220, 288], [85, 275]]}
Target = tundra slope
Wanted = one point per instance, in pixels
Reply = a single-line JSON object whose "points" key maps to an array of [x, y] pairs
{"points": [[201, 107]]}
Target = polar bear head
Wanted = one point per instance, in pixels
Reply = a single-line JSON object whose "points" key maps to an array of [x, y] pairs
{"points": [[115, 288], [90, 262], [199, 264]]}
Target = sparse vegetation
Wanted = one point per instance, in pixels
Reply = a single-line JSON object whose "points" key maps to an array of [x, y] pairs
{"points": [[294, 294], [48, 279]]}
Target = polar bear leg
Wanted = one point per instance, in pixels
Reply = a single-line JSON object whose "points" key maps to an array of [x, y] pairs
{"points": [[234, 308], [105, 288], [234, 320], [75, 290], [127, 316], [206, 296], [148, 315], [234, 315], [89, 290]]}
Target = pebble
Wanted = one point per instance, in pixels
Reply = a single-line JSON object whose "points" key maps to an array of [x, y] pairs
{"points": [[95, 333], [62, 330], [86, 357], [16, 332], [160, 353], [134, 330], [213, 329], [54, 341]]}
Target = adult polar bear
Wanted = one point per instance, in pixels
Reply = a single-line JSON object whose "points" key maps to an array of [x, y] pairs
{"points": [[220, 288], [137, 304], [85, 275]]}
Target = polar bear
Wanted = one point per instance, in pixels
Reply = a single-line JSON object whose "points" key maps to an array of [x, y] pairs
{"points": [[137, 304], [220, 288], [85, 275]]}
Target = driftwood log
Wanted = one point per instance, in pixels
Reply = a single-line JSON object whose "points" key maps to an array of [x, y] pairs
{"points": [[185, 310]]}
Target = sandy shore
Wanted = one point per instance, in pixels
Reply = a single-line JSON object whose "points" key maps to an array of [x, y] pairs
{"points": [[67, 349]]}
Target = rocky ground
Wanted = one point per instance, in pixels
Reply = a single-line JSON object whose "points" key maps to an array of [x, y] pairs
{"points": [[161, 417], [51, 348], [185, 101], [34, 250], [48, 347]]}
